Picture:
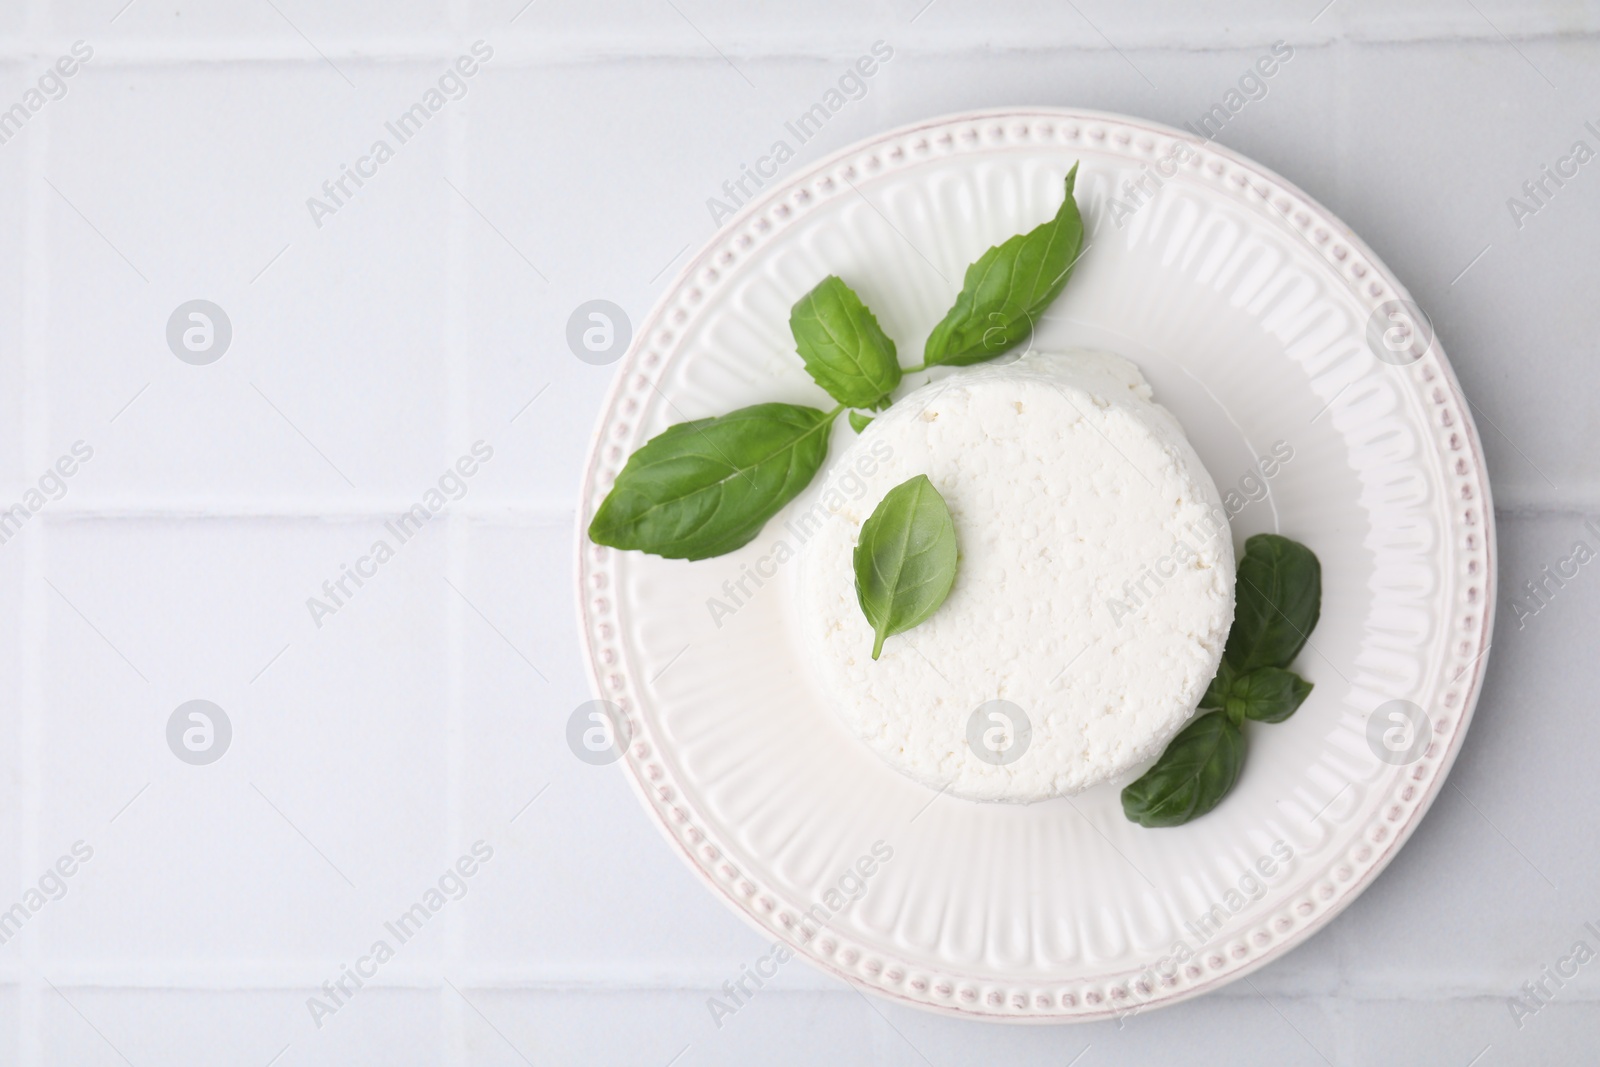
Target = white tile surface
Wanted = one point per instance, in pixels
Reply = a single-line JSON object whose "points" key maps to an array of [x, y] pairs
{"points": [[14, 293], [580, 851], [95, 1025], [290, 24], [16, 760], [371, 352], [199, 176], [326, 811], [11, 1021], [1459, 167], [671, 132]]}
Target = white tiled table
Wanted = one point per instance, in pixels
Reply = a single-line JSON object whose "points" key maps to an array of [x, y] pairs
{"points": [[372, 351]]}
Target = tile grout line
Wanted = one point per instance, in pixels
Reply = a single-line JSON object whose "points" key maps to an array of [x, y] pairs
{"points": [[580, 48], [452, 1013], [35, 611], [609, 979]]}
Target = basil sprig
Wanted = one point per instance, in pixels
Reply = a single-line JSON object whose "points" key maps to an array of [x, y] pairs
{"points": [[703, 488], [905, 561], [1277, 600], [1008, 288], [1266, 694], [844, 349]]}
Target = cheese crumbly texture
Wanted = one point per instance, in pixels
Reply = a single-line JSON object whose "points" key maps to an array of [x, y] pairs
{"points": [[1094, 590]]}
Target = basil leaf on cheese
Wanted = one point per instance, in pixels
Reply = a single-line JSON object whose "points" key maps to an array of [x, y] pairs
{"points": [[842, 345], [703, 488], [859, 422], [1008, 288], [1192, 776], [905, 561], [1277, 600]]}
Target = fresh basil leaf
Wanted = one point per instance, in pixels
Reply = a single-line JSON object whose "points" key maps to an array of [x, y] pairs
{"points": [[1192, 776], [1216, 695], [844, 350], [1266, 694], [1008, 288], [1277, 600], [905, 561], [703, 488], [859, 422]]}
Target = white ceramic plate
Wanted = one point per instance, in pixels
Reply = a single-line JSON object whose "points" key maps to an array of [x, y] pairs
{"points": [[1259, 319]]}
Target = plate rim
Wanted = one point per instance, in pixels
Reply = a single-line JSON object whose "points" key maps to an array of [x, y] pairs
{"points": [[1100, 130]]}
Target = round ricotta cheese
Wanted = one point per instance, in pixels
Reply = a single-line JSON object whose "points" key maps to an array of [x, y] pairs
{"points": [[1091, 602]]}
